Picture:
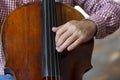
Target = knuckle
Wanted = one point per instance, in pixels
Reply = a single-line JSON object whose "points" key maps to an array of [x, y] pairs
{"points": [[70, 23], [63, 38], [82, 37], [76, 35], [58, 33]]}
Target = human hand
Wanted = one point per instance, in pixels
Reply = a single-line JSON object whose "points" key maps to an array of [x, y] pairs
{"points": [[73, 33]]}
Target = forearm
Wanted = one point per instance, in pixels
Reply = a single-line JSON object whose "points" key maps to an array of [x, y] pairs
{"points": [[107, 19], [105, 14]]}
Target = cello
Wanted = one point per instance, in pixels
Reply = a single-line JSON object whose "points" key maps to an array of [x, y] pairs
{"points": [[29, 46]]}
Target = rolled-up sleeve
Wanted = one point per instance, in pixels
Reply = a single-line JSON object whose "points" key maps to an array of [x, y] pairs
{"points": [[105, 13]]}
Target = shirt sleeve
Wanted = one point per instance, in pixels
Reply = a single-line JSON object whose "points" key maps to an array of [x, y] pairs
{"points": [[105, 13], [3, 11]]}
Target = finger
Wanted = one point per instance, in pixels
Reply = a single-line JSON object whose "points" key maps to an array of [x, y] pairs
{"points": [[76, 43], [59, 32], [54, 29], [70, 40], [63, 38]]}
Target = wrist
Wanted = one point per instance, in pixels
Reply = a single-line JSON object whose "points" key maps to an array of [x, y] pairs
{"points": [[92, 25]]}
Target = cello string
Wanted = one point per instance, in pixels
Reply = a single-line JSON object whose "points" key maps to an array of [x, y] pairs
{"points": [[44, 4], [61, 21], [56, 53], [47, 24], [52, 14], [57, 64], [49, 30], [48, 38], [53, 24]]}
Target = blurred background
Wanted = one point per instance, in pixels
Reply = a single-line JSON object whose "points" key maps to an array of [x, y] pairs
{"points": [[106, 59], [106, 56]]}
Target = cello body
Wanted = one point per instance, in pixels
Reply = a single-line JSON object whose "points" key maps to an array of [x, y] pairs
{"points": [[22, 44]]}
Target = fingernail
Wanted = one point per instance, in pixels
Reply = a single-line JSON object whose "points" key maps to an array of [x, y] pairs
{"points": [[53, 29], [58, 49], [69, 49]]}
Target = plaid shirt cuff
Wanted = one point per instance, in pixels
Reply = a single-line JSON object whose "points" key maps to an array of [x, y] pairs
{"points": [[100, 22]]}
